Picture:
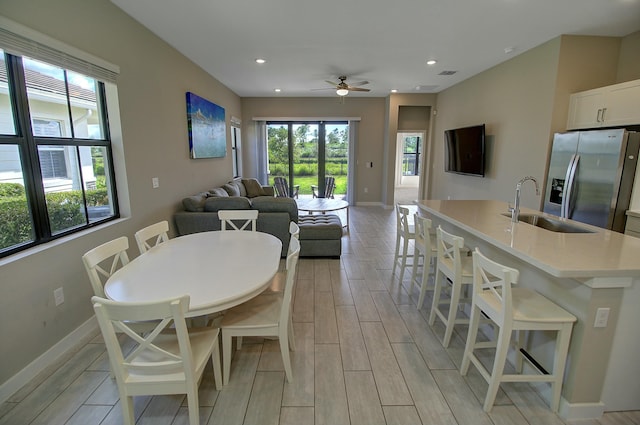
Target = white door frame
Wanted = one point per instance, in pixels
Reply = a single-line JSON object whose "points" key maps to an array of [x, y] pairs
{"points": [[407, 181]]}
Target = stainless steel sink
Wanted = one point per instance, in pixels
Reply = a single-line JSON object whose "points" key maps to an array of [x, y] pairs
{"points": [[550, 224]]}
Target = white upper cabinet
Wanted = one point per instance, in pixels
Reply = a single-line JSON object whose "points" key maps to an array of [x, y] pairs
{"points": [[608, 106]]}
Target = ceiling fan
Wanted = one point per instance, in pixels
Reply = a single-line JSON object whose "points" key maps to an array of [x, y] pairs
{"points": [[343, 89]]}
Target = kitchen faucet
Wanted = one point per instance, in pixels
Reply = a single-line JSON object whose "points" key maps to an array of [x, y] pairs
{"points": [[515, 212]]}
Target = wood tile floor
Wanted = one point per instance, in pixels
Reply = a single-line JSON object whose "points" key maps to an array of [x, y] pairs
{"points": [[365, 356]]}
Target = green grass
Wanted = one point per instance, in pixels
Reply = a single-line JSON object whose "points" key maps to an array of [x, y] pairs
{"points": [[305, 183]]}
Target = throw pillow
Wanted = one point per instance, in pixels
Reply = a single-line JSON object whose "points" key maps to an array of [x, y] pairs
{"points": [[231, 189], [195, 203], [219, 192], [254, 188], [238, 182]]}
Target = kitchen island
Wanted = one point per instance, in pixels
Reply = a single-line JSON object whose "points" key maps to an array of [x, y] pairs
{"points": [[582, 272]]}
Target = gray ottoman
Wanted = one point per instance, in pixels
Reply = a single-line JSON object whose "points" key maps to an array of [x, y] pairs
{"points": [[320, 235]]}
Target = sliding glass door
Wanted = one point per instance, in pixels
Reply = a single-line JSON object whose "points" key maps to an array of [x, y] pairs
{"points": [[307, 152]]}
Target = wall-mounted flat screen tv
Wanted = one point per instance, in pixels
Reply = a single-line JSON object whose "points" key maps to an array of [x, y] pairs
{"points": [[464, 150]]}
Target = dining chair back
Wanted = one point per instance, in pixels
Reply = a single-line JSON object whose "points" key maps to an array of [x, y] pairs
{"points": [[423, 247], [152, 235], [282, 190], [329, 188], [267, 315], [279, 280], [513, 309], [405, 232], [238, 219], [169, 360], [294, 229], [104, 260], [454, 266]]}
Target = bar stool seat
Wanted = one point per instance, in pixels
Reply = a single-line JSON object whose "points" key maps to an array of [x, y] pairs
{"points": [[513, 309], [405, 232], [452, 263]]}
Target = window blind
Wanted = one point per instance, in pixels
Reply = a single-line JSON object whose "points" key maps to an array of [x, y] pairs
{"points": [[34, 47]]}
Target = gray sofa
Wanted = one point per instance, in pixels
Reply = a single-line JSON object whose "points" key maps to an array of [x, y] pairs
{"points": [[201, 211], [320, 236]]}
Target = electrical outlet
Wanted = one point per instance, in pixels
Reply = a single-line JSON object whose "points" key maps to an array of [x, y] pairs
{"points": [[602, 317], [155, 182], [58, 296], [366, 190]]}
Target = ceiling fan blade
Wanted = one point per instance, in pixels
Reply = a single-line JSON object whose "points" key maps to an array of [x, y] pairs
{"points": [[325, 88], [361, 83], [357, 89], [332, 83]]}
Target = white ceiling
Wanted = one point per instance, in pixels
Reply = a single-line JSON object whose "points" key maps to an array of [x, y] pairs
{"points": [[386, 42]]}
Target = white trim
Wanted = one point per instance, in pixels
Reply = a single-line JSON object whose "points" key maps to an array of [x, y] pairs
{"points": [[370, 204], [574, 411], [306, 118], [75, 339]]}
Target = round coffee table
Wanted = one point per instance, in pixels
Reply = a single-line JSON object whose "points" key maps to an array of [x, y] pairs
{"points": [[323, 205]]}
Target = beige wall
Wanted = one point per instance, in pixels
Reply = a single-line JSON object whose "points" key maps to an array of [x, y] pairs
{"points": [[369, 148], [513, 100], [629, 61], [523, 102], [151, 88]]}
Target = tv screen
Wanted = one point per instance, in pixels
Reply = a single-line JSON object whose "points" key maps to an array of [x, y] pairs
{"points": [[464, 150]]}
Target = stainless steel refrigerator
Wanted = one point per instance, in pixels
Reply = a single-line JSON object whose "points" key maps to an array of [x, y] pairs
{"points": [[591, 175]]}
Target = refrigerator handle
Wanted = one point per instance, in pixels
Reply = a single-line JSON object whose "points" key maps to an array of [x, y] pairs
{"points": [[569, 183]]}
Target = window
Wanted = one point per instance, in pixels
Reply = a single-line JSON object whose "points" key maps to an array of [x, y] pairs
{"points": [[411, 156], [56, 168]]}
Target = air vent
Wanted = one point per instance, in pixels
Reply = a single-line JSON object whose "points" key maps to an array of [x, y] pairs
{"points": [[447, 72]]}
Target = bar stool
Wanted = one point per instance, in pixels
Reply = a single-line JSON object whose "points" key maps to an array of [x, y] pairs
{"points": [[406, 232], [452, 263], [425, 249], [513, 309]]}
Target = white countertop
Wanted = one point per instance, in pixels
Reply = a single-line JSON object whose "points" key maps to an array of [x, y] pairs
{"points": [[568, 255]]}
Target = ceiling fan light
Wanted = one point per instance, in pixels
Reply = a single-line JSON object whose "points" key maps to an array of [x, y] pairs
{"points": [[342, 92]]}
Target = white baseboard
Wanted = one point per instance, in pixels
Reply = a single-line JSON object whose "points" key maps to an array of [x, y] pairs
{"points": [[574, 411], [71, 341]]}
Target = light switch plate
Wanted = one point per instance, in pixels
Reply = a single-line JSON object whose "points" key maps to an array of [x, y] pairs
{"points": [[602, 317], [58, 296]]}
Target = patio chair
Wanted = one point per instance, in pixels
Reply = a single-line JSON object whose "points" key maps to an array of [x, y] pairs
{"points": [[329, 187], [281, 186]]}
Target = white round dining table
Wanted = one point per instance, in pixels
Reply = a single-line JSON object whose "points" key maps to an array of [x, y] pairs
{"points": [[218, 270]]}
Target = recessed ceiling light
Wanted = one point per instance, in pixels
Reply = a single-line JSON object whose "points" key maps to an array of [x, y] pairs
{"points": [[432, 62], [509, 50], [277, 90], [394, 90], [260, 61]]}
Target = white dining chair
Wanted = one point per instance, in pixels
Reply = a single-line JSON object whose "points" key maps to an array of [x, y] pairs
{"points": [[238, 219], [267, 315], [152, 235], [455, 269], [279, 280], [294, 229], [513, 309], [424, 248], [169, 360], [104, 260], [405, 232]]}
